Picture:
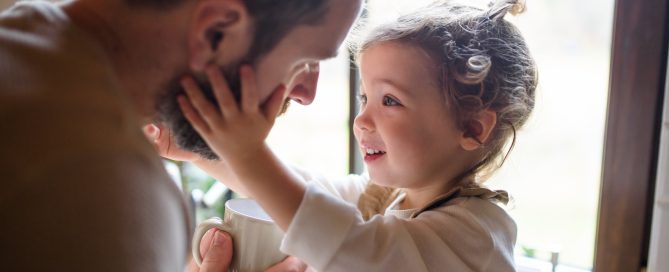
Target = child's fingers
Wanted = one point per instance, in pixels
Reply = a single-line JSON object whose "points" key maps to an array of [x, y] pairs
{"points": [[193, 116], [200, 104], [274, 103], [250, 99], [226, 100]]}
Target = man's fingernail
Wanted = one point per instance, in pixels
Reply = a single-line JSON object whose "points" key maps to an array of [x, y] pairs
{"points": [[218, 238]]}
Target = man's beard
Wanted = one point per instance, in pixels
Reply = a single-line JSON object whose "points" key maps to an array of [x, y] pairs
{"points": [[170, 115]]}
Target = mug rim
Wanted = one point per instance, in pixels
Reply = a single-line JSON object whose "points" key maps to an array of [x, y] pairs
{"points": [[250, 217]]}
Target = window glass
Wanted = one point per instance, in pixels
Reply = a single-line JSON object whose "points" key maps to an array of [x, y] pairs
{"points": [[316, 136]]}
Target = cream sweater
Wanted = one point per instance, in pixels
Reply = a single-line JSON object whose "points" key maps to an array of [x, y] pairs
{"points": [[467, 233]]}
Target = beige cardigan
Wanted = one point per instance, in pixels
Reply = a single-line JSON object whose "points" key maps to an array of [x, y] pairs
{"points": [[466, 233]]}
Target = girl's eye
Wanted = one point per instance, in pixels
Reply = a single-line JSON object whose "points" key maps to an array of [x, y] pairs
{"points": [[389, 101], [362, 99]]}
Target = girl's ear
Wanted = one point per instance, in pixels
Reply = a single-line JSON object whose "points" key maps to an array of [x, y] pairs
{"points": [[220, 32], [478, 129]]}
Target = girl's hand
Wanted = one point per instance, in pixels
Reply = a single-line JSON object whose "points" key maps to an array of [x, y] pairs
{"points": [[237, 134], [237, 131]]}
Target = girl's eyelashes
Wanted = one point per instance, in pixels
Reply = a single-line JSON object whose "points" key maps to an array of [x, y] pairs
{"points": [[362, 99], [387, 100], [390, 101]]}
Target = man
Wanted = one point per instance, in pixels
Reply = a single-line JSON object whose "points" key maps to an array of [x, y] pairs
{"points": [[82, 189]]}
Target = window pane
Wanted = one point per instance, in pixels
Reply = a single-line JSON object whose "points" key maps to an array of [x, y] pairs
{"points": [[316, 136], [553, 172]]}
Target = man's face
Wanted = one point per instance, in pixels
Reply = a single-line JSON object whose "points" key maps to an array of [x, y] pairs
{"points": [[291, 62]]}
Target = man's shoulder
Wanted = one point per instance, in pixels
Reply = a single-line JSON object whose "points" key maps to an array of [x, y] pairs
{"points": [[33, 26], [55, 83], [95, 206], [42, 50]]}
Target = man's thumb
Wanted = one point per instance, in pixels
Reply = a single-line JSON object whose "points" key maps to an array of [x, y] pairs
{"points": [[219, 255]]}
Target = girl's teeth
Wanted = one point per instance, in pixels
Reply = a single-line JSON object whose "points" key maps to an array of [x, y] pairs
{"points": [[370, 151]]}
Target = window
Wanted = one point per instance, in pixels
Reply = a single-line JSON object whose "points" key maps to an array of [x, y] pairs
{"points": [[316, 136]]}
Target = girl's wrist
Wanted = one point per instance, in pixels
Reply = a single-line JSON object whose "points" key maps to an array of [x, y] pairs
{"points": [[250, 156]]}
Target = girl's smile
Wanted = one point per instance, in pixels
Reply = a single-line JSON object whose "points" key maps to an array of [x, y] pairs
{"points": [[371, 154]]}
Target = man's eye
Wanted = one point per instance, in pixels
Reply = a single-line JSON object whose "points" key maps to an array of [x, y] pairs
{"points": [[362, 99], [389, 101]]}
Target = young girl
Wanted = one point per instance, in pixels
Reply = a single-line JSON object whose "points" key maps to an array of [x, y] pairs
{"points": [[443, 92]]}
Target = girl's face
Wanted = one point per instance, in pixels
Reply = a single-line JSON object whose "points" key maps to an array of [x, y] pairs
{"points": [[406, 132]]}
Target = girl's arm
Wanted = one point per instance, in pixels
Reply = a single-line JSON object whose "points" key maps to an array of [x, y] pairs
{"points": [[164, 143], [221, 172], [237, 132], [347, 188]]}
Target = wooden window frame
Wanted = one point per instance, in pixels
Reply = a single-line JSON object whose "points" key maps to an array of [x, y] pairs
{"points": [[634, 117]]}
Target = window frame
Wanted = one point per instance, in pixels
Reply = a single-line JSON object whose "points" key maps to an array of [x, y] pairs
{"points": [[634, 119]]}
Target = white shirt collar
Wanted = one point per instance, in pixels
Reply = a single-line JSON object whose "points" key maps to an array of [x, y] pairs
{"points": [[393, 208]]}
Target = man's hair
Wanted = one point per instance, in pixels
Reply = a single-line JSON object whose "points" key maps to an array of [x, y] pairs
{"points": [[273, 19]]}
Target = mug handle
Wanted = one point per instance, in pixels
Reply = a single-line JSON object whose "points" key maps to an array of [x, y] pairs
{"points": [[201, 229]]}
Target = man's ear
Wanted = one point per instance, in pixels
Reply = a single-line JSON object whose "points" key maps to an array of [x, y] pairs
{"points": [[220, 32], [478, 129]]}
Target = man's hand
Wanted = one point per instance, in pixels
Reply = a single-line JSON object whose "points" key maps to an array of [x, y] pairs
{"points": [[289, 264], [216, 252], [217, 256]]}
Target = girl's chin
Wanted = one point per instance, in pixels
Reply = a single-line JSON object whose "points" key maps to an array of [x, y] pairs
{"points": [[382, 180]]}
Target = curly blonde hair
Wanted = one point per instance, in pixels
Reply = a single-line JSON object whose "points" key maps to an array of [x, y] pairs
{"points": [[485, 65]]}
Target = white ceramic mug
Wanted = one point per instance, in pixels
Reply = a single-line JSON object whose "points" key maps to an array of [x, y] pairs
{"points": [[256, 239]]}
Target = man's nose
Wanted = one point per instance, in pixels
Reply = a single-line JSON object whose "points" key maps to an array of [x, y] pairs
{"points": [[304, 85]]}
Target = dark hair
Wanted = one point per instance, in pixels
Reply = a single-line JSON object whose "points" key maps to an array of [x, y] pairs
{"points": [[485, 64], [273, 18]]}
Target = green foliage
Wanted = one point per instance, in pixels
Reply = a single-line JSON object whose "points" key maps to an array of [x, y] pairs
{"points": [[528, 251]]}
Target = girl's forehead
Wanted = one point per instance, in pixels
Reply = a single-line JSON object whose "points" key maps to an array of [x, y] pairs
{"points": [[398, 62]]}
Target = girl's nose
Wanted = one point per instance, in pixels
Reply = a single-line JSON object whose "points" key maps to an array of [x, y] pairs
{"points": [[363, 121], [304, 85]]}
